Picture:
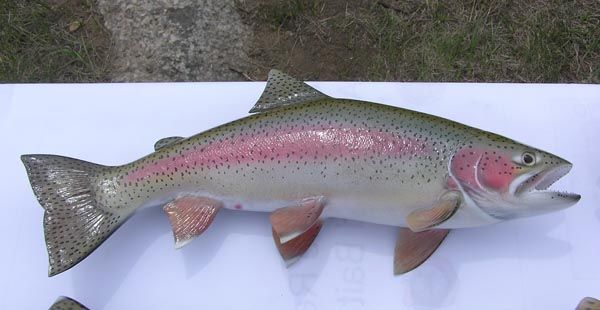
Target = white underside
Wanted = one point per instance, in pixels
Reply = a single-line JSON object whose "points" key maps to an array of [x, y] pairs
{"points": [[366, 209]]}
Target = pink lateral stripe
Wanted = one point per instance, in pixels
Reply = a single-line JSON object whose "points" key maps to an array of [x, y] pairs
{"points": [[293, 144]]}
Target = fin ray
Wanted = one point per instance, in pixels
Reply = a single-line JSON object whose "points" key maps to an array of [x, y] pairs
{"points": [[414, 248], [296, 227], [75, 221], [190, 217], [283, 90], [421, 220], [294, 248]]}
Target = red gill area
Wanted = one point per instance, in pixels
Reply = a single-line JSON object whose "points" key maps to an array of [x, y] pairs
{"points": [[476, 167]]}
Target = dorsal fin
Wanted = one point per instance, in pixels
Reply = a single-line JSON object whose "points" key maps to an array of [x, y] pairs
{"points": [[283, 90], [166, 142]]}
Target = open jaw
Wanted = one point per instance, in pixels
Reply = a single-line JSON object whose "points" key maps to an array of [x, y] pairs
{"points": [[535, 185]]}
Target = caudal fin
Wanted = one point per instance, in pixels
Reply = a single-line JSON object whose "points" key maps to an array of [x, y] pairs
{"points": [[75, 220]]}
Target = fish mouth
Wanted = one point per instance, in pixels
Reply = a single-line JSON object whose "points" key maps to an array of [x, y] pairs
{"points": [[538, 183]]}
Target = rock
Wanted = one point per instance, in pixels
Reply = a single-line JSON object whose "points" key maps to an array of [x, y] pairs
{"points": [[176, 40]]}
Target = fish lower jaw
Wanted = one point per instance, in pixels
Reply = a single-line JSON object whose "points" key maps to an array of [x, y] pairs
{"points": [[550, 195], [553, 194], [541, 181]]}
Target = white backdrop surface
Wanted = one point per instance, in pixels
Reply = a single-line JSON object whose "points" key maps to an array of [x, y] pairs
{"points": [[546, 262]]}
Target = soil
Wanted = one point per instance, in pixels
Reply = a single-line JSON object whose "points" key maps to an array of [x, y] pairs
{"points": [[307, 41]]}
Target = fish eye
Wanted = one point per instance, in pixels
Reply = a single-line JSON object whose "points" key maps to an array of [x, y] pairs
{"points": [[528, 159]]}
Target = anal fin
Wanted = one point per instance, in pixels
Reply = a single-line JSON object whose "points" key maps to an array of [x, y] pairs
{"points": [[296, 227], [190, 216], [413, 248]]}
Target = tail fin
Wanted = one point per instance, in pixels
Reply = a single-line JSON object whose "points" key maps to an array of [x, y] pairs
{"points": [[75, 221]]}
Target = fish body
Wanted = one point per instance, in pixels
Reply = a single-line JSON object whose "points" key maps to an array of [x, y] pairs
{"points": [[374, 163], [303, 157]]}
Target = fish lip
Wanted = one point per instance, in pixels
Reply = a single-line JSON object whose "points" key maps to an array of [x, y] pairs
{"points": [[539, 182]]}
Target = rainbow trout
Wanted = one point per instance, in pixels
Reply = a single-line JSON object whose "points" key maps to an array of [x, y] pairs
{"points": [[304, 156]]}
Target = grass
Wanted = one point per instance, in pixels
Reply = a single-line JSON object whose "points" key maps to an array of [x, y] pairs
{"points": [[492, 41], [393, 40], [52, 41]]}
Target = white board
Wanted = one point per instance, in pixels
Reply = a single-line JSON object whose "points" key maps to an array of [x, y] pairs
{"points": [[546, 262]]}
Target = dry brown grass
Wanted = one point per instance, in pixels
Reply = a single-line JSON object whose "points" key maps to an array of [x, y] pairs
{"points": [[392, 40], [52, 41], [492, 41]]}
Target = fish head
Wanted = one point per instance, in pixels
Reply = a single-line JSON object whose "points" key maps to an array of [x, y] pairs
{"points": [[507, 179]]}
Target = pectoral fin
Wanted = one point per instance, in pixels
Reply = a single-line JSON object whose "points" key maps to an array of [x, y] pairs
{"points": [[296, 227], [413, 248], [425, 219], [190, 217]]}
